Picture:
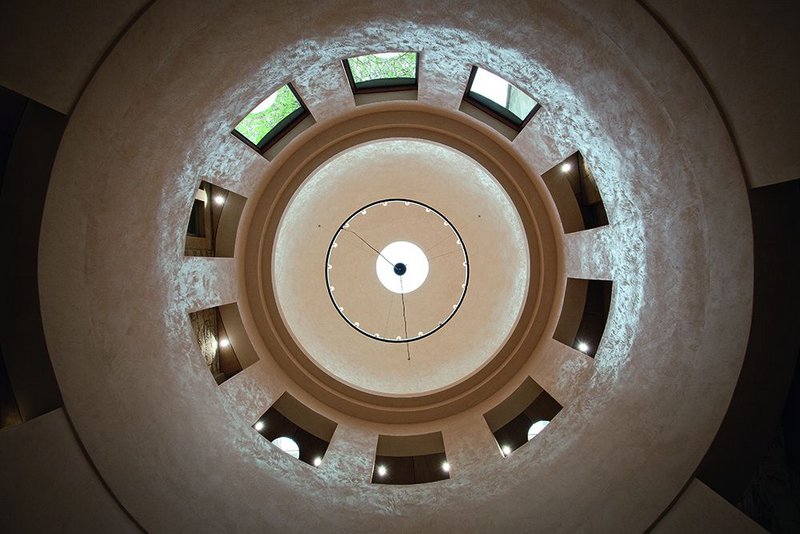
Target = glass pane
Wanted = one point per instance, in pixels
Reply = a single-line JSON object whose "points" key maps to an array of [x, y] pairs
{"points": [[502, 93], [383, 66], [268, 114]]}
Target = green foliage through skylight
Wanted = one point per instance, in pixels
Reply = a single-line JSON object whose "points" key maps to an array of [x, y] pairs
{"points": [[383, 66], [260, 122]]}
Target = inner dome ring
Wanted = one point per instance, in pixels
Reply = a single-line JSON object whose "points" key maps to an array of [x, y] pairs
{"points": [[405, 220]]}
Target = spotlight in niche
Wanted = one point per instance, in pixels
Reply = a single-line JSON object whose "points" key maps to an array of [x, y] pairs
{"points": [[224, 342], [381, 471], [446, 467], [566, 167], [259, 426], [219, 200], [583, 346], [317, 461], [506, 450]]}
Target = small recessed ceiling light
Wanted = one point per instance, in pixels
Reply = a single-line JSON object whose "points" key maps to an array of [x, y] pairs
{"points": [[224, 342], [583, 347], [506, 450], [381, 471], [219, 199], [446, 467], [566, 167], [259, 426], [317, 461]]}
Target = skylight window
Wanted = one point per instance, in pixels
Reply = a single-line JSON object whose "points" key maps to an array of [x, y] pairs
{"points": [[499, 98], [388, 71], [271, 119]]}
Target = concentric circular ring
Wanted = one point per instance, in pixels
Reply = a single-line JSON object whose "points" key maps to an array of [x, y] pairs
{"points": [[404, 262]]}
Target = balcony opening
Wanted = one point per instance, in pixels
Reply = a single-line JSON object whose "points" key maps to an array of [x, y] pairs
{"points": [[297, 430], [223, 342], [584, 314], [410, 459], [574, 190], [522, 416], [213, 222], [381, 77], [497, 102], [274, 122]]}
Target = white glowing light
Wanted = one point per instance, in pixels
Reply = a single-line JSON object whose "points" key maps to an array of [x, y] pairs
{"points": [[583, 347], [317, 461], [224, 342], [259, 426], [506, 450], [446, 467], [287, 445], [381, 471], [219, 199], [266, 103], [536, 427], [566, 167], [491, 86], [388, 55], [410, 255]]}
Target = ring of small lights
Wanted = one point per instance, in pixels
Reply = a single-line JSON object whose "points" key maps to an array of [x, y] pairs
{"points": [[344, 226]]}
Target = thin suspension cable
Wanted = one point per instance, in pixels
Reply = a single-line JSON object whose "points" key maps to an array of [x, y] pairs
{"points": [[445, 254], [463, 228], [405, 323], [370, 246]]}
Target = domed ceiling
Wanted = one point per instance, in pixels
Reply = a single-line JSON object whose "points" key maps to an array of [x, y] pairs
{"points": [[463, 192], [165, 437]]}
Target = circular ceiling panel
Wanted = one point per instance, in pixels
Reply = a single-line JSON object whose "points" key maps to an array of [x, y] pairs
{"points": [[378, 277], [465, 196]]}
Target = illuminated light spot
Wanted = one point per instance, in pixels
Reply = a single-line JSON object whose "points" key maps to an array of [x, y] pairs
{"points": [[536, 427], [287, 445]]}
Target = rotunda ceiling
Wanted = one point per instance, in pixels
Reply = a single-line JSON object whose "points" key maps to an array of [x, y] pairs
{"points": [[449, 182]]}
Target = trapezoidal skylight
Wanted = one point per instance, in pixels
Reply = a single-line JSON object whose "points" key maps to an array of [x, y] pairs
{"points": [[382, 72], [271, 119], [499, 98]]}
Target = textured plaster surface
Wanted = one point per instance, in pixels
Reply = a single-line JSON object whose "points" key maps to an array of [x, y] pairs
{"points": [[180, 453]]}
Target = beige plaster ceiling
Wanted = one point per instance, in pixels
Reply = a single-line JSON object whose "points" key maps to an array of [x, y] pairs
{"points": [[477, 206]]}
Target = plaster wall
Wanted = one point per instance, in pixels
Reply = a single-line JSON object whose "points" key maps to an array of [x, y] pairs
{"points": [[747, 51], [49, 51], [50, 485], [679, 251], [698, 507]]}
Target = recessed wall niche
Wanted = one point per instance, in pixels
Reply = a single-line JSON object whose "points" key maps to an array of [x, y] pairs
{"points": [[574, 190], [275, 121], [584, 314], [296, 429], [520, 417], [497, 102], [223, 342], [213, 222], [410, 459]]}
